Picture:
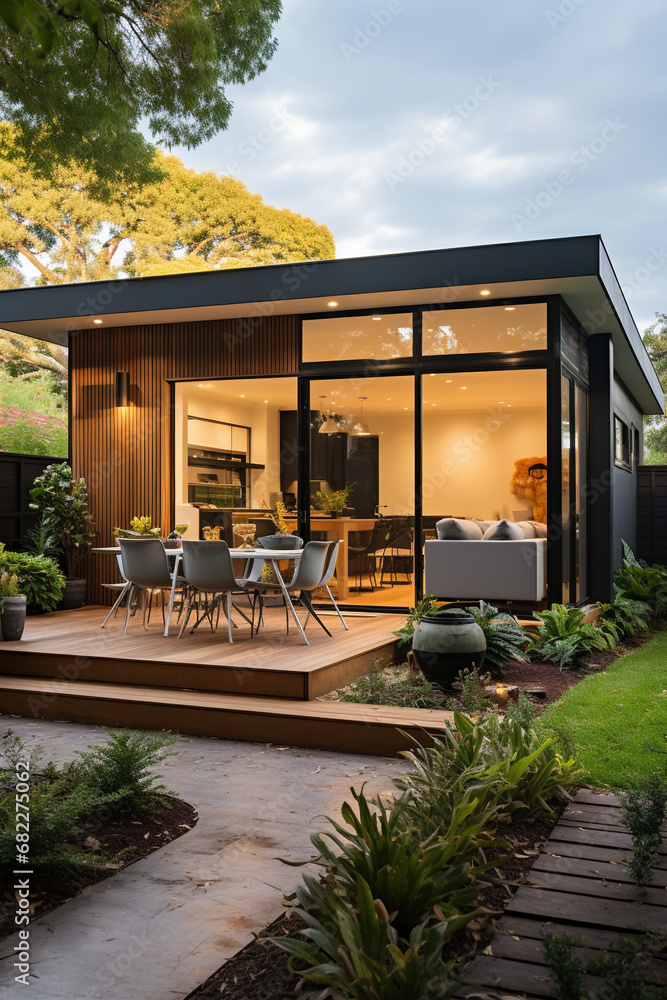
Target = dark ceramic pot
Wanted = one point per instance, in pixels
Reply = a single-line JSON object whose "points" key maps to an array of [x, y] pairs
{"points": [[12, 619], [74, 595], [281, 542], [446, 642]]}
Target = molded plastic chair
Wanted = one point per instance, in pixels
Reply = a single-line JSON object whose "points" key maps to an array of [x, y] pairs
{"points": [[207, 568], [122, 587], [368, 554], [146, 568], [329, 571], [310, 571]]}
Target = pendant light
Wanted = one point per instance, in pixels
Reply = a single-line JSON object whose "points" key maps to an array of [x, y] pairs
{"points": [[361, 428], [329, 425]]}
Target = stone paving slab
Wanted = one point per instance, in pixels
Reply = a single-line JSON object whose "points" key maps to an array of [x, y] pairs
{"points": [[160, 927]]}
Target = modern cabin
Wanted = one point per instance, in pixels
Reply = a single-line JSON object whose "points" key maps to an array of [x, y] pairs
{"points": [[501, 382]]}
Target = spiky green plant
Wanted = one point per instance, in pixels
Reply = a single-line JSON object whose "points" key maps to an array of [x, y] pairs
{"points": [[505, 640], [563, 638]]}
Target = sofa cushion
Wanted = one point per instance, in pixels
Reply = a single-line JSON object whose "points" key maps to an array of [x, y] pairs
{"points": [[455, 529], [528, 529], [484, 524], [503, 531], [540, 529]]}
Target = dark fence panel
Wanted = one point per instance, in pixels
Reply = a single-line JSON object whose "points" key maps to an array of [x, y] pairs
{"points": [[652, 513], [17, 474]]}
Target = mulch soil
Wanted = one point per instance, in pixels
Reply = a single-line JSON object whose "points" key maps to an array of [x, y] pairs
{"points": [[259, 971], [134, 836]]}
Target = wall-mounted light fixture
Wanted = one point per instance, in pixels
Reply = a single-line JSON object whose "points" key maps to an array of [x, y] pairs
{"points": [[122, 388]]}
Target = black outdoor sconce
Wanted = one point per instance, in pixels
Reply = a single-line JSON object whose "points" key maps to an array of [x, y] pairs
{"points": [[122, 388]]}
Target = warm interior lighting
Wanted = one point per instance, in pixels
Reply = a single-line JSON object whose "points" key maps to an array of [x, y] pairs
{"points": [[485, 291], [122, 388], [376, 318], [464, 386], [332, 303], [97, 321], [361, 429], [329, 425], [509, 309]]}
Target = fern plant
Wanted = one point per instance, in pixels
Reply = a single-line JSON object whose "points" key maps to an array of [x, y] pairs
{"points": [[505, 640], [629, 616], [563, 638], [643, 583], [123, 766]]}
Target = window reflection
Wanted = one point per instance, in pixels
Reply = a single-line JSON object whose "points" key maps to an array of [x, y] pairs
{"points": [[484, 330]]}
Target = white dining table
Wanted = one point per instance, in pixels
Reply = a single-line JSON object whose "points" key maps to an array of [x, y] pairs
{"points": [[267, 555]]}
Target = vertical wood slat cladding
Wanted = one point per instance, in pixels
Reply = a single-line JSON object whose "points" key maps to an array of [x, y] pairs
{"points": [[125, 453]]}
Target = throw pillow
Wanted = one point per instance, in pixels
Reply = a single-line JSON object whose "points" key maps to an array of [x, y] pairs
{"points": [[484, 525], [503, 531], [527, 527], [540, 529], [455, 529]]}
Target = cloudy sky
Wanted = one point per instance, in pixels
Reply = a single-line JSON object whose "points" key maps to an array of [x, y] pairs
{"points": [[416, 124]]}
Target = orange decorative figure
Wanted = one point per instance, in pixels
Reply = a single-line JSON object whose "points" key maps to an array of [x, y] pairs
{"points": [[529, 482]]}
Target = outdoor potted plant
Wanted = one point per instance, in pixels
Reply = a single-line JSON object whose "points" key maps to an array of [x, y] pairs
{"points": [[62, 503], [12, 607], [333, 503], [283, 537]]}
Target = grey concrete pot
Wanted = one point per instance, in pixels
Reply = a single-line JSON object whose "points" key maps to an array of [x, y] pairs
{"points": [[74, 595], [12, 619], [281, 542], [444, 643]]}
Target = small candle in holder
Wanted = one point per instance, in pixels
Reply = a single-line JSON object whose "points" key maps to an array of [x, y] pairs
{"points": [[502, 695]]}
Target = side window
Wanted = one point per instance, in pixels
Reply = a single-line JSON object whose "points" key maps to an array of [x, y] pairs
{"points": [[622, 445]]}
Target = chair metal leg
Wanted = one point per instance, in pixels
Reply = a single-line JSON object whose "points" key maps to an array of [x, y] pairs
{"points": [[129, 605], [345, 625], [116, 604], [306, 601], [229, 615]]}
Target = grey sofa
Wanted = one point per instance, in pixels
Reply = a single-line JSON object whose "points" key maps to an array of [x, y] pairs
{"points": [[512, 570]]}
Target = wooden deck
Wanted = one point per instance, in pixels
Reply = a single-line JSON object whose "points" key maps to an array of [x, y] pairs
{"points": [[578, 886], [71, 644], [259, 690]]}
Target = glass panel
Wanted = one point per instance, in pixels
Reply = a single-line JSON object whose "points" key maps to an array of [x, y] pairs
{"points": [[362, 440], [231, 462], [566, 442], [340, 338], [483, 433], [581, 472], [485, 329]]}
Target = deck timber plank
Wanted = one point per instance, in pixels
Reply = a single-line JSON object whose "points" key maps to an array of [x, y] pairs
{"points": [[585, 868], [325, 725], [72, 644], [608, 890], [613, 913]]}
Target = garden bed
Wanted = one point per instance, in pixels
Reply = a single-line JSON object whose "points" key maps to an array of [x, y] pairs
{"points": [[120, 840], [260, 972]]}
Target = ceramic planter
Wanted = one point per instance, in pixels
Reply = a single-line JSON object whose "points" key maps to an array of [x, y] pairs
{"points": [[447, 642], [12, 619], [74, 595], [281, 542]]}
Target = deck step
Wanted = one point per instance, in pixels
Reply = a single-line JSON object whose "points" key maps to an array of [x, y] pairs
{"points": [[372, 729]]}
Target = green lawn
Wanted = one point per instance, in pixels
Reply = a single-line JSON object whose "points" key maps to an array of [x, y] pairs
{"points": [[612, 718]]}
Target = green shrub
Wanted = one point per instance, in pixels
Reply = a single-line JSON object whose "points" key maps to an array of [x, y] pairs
{"points": [[121, 766], [524, 771], [568, 974], [562, 638], [643, 812], [410, 876], [627, 615], [356, 951], [523, 712], [62, 503], [40, 579], [642, 583], [57, 808], [504, 638], [427, 606]]}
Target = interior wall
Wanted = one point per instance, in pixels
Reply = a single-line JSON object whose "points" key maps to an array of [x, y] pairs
{"points": [[468, 460]]}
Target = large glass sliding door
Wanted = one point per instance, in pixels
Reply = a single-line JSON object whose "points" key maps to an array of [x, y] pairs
{"points": [[362, 460]]}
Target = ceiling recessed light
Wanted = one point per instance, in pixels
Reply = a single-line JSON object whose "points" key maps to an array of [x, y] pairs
{"points": [[97, 321], [405, 407], [432, 404], [448, 380], [266, 400], [332, 303], [464, 386], [509, 404], [243, 395], [432, 374], [375, 318], [509, 309], [501, 402], [485, 291]]}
